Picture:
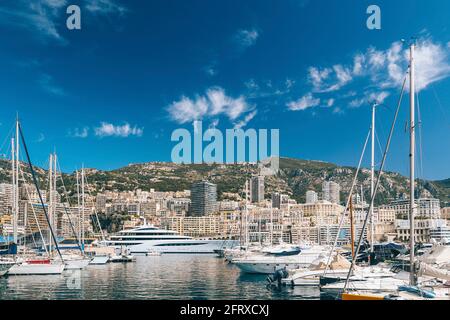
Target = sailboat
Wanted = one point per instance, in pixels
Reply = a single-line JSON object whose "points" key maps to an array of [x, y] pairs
{"points": [[30, 265], [245, 248], [102, 253], [431, 284], [73, 259], [335, 268]]}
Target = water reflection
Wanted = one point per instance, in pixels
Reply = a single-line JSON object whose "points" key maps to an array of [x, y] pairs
{"points": [[156, 277]]}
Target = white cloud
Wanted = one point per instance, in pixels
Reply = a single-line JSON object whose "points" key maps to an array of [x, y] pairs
{"points": [[330, 102], [329, 79], [105, 6], [342, 74], [215, 102], [432, 64], [289, 83], [356, 103], [110, 130], [266, 88], [48, 16], [317, 77], [40, 138], [48, 84], [376, 58], [369, 98], [246, 120], [246, 38], [358, 62], [304, 103], [338, 110], [380, 72], [221, 103], [378, 97], [387, 68], [214, 123], [187, 110], [251, 84], [55, 3], [79, 132], [210, 70]]}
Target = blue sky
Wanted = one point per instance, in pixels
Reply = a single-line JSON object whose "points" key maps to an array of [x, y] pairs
{"points": [[112, 93]]}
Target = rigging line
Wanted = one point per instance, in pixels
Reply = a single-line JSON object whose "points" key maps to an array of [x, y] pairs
{"points": [[37, 222], [355, 178], [380, 124], [379, 143], [39, 191], [95, 211], [441, 108], [34, 214], [64, 205], [380, 172], [7, 138]]}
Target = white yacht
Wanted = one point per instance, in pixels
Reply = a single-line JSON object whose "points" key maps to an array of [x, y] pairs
{"points": [[75, 261], [36, 267], [147, 238], [338, 268], [269, 263]]}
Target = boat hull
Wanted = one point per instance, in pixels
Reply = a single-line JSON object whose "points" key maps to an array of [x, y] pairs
{"points": [[355, 297], [267, 264], [370, 286], [267, 268], [312, 278], [177, 247], [76, 264], [99, 260], [122, 258], [35, 269]]}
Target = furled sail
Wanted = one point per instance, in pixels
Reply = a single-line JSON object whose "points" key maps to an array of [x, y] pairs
{"points": [[427, 270]]}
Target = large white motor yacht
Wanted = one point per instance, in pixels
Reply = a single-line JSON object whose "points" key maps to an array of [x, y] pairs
{"points": [[148, 238]]}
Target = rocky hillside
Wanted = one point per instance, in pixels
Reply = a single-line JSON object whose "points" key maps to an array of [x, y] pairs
{"points": [[295, 178]]}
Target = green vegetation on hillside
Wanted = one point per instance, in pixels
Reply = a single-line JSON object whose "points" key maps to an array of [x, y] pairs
{"points": [[294, 178]]}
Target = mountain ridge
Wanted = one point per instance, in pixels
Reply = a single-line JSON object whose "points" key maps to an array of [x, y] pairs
{"points": [[295, 177]]}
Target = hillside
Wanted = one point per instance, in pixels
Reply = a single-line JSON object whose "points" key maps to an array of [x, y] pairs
{"points": [[295, 178]]}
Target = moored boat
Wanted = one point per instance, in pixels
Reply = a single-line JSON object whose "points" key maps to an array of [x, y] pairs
{"points": [[99, 260], [268, 264], [76, 263], [36, 267], [147, 238]]}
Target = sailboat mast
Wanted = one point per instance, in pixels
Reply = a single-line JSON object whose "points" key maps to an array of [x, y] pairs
{"points": [[13, 205], [50, 202], [352, 233], [412, 162], [55, 194], [82, 208], [246, 213], [271, 224], [372, 177]]}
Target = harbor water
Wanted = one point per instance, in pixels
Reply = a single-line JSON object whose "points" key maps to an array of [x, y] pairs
{"points": [[168, 277]]}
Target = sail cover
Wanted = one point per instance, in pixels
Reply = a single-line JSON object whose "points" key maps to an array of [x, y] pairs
{"points": [[439, 254]]}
